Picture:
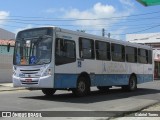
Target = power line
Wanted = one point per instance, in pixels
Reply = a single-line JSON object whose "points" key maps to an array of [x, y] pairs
{"points": [[155, 12], [20, 21], [103, 25], [92, 19], [121, 28], [148, 28], [79, 25], [139, 30]]}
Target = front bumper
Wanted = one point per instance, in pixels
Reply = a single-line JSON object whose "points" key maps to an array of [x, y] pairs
{"points": [[41, 82]]}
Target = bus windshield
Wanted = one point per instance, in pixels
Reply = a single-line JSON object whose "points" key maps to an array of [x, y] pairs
{"points": [[36, 50]]}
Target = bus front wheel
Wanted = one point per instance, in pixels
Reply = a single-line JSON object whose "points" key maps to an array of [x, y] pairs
{"points": [[83, 87], [48, 91]]}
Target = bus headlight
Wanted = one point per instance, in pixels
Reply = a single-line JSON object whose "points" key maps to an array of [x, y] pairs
{"points": [[14, 70], [47, 72]]}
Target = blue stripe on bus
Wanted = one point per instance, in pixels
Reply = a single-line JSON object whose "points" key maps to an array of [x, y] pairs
{"points": [[65, 80], [110, 79], [70, 80], [144, 78]]}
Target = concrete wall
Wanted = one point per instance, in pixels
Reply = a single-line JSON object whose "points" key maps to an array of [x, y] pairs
{"points": [[6, 68], [6, 58]]}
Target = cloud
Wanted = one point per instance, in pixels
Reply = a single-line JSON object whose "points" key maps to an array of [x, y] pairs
{"points": [[54, 10], [117, 34], [127, 3], [98, 11], [50, 10], [3, 17], [101, 11]]}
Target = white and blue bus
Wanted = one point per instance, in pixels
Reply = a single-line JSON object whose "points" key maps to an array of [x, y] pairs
{"points": [[52, 58]]}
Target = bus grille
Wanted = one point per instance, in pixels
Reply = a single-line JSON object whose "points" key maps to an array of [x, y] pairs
{"points": [[32, 71], [31, 82]]}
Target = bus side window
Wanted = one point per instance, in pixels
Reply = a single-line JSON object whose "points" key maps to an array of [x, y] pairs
{"points": [[65, 51], [102, 50], [118, 52], [131, 54], [142, 56], [86, 48]]}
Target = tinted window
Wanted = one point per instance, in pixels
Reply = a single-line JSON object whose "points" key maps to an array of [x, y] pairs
{"points": [[86, 48], [102, 50], [142, 55], [131, 54], [118, 52], [64, 51]]}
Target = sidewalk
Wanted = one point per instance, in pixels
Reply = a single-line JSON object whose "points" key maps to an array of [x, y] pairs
{"points": [[9, 87], [154, 109]]}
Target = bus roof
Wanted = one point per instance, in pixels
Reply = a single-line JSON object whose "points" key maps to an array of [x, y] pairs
{"points": [[95, 37]]}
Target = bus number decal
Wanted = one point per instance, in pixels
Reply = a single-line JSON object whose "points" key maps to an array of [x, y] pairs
{"points": [[79, 64]]}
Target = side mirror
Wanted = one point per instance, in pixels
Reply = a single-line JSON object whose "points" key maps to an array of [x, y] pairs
{"points": [[8, 47]]}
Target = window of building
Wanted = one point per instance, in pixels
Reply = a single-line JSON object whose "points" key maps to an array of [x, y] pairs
{"points": [[118, 52], [131, 54], [65, 51], [142, 56], [86, 48], [102, 50]]}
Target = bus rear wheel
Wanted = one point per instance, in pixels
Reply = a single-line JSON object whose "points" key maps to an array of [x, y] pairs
{"points": [[48, 91], [132, 85], [83, 87]]}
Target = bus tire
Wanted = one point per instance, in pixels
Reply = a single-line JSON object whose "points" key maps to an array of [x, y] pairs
{"points": [[48, 91], [82, 88], [132, 85], [103, 88]]}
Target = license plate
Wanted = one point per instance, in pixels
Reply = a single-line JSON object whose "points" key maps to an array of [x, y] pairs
{"points": [[28, 80]]}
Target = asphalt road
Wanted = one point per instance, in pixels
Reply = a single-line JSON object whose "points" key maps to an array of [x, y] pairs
{"points": [[114, 100]]}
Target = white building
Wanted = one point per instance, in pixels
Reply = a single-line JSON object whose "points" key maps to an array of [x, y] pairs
{"points": [[152, 39], [6, 57]]}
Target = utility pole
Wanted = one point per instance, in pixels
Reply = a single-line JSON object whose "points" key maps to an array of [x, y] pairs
{"points": [[109, 35], [103, 32]]}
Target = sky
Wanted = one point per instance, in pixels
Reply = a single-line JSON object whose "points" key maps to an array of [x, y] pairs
{"points": [[117, 17]]}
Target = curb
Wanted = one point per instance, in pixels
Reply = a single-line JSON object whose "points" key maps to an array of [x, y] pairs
{"points": [[12, 89]]}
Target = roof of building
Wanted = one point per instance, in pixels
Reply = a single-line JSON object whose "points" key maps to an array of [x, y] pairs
{"points": [[5, 34], [144, 38], [6, 42]]}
